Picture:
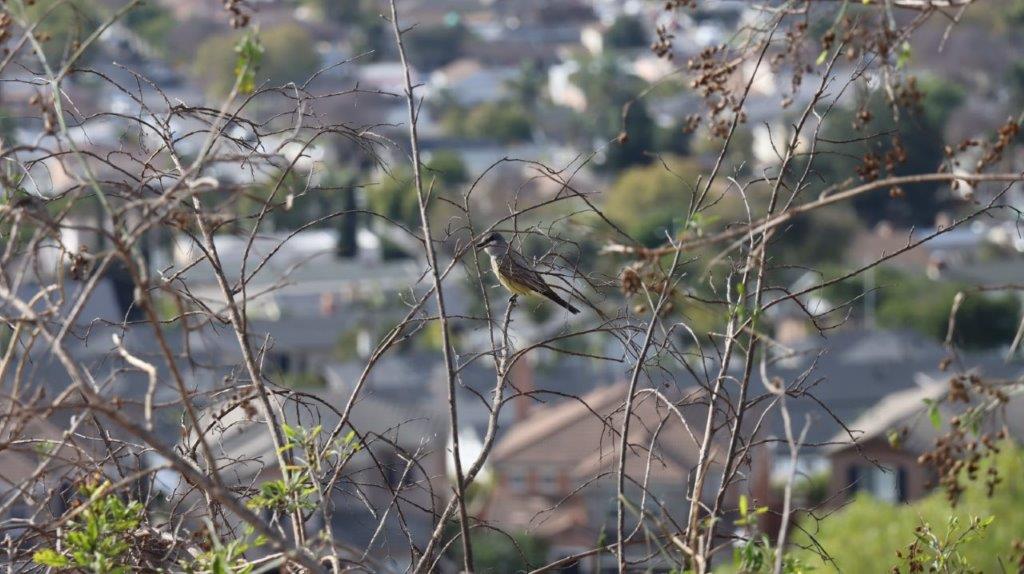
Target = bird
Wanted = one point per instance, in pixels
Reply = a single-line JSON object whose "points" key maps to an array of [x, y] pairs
{"points": [[515, 274]]}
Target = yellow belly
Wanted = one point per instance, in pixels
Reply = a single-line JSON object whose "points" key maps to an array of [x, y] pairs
{"points": [[517, 288]]}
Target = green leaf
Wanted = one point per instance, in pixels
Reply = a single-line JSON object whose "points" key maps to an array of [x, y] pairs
{"points": [[744, 505], [904, 55], [935, 416], [50, 557], [821, 58], [250, 52]]}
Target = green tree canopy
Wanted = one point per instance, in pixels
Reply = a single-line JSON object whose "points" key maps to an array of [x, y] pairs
{"points": [[920, 133], [983, 321], [430, 47], [608, 88], [62, 24], [288, 56], [626, 32], [647, 201], [865, 535], [151, 22], [504, 122]]}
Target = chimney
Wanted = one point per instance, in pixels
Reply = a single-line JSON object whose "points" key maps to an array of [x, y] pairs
{"points": [[327, 304], [521, 378]]}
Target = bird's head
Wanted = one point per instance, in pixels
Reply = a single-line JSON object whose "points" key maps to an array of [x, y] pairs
{"points": [[494, 243]]}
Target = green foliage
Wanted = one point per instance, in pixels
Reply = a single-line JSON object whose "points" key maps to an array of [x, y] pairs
{"points": [[504, 122], [96, 538], [287, 55], [608, 88], [395, 198], [293, 492], [430, 47], [626, 32], [647, 201], [756, 555], [250, 54], [151, 22], [921, 134], [984, 320], [866, 535], [942, 553], [500, 553], [224, 558], [62, 25]]}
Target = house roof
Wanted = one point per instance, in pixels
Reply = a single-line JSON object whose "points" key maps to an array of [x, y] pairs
{"points": [[584, 433], [841, 375], [547, 421], [906, 411], [244, 438], [888, 413]]}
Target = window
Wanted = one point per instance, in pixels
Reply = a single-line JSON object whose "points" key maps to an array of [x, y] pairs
{"points": [[886, 484], [516, 480], [548, 481]]}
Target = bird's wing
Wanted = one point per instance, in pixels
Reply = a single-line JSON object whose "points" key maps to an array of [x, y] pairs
{"points": [[520, 268]]}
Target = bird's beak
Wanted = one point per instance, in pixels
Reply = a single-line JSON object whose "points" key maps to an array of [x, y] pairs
{"points": [[483, 244]]}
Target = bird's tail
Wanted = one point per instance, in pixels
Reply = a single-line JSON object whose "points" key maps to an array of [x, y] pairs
{"points": [[561, 302]]}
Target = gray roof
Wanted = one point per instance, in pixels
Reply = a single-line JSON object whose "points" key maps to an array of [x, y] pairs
{"points": [[907, 412], [847, 372]]}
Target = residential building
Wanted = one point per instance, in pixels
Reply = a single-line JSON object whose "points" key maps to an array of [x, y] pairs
{"points": [[884, 456], [556, 469]]}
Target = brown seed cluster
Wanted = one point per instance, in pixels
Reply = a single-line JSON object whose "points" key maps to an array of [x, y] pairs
{"points": [[873, 166], [957, 455], [1017, 555], [1006, 134], [636, 280], [239, 13]]}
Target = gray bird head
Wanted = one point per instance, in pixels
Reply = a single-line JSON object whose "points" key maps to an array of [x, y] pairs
{"points": [[494, 244]]}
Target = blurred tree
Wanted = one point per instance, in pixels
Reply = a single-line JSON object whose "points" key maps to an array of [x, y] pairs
{"points": [[982, 321], [1015, 81], [152, 23], [866, 535], [62, 24], [336, 10], [626, 32], [920, 135], [801, 244], [672, 140], [528, 87], [635, 142], [448, 167], [395, 196], [288, 56], [504, 122], [430, 47], [500, 553], [647, 201], [905, 301], [607, 89]]}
